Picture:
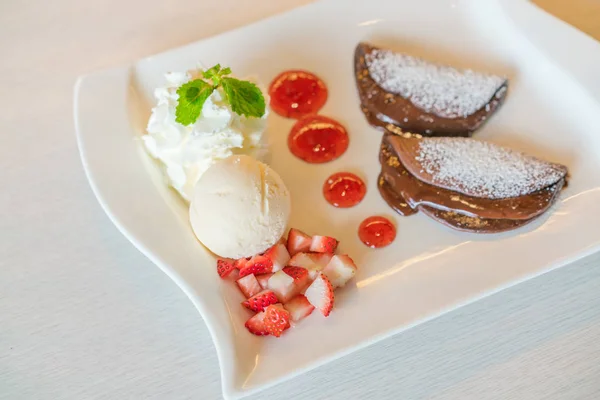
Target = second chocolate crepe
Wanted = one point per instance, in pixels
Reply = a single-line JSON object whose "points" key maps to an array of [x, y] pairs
{"points": [[467, 184]]}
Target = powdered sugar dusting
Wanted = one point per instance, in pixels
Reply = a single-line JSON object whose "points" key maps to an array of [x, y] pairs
{"points": [[440, 90], [484, 169]]}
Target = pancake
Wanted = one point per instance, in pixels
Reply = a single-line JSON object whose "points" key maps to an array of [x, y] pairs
{"points": [[403, 93], [407, 193]]}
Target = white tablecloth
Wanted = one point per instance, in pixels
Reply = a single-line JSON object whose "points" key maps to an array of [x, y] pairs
{"points": [[83, 315]]}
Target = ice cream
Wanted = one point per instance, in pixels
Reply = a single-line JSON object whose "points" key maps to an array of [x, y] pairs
{"points": [[239, 207], [187, 151]]}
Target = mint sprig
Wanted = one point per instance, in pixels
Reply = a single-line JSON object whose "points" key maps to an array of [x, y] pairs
{"points": [[244, 97], [192, 96]]}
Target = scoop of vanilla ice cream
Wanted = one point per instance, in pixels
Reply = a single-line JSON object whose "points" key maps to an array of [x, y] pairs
{"points": [[239, 207]]}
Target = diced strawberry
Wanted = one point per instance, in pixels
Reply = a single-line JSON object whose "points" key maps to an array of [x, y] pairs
{"points": [[298, 241], [283, 285], [263, 280], [240, 263], [256, 325], [259, 301], [277, 320], [302, 259], [323, 244], [313, 262], [299, 307], [224, 267], [300, 276], [257, 265], [321, 259], [278, 255], [320, 294], [340, 270], [249, 285]]}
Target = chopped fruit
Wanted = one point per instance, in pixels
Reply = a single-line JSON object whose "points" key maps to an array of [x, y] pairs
{"points": [[303, 260], [287, 282], [257, 265], [256, 325], [263, 280], [241, 263], [321, 259], [276, 320], [300, 275], [249, 285], [224, 267], [320, 294], [323, 244], [313, 262], [299, 307], [259, 301], [298, 241], [279, 256], [283, 285], [340, 270]]}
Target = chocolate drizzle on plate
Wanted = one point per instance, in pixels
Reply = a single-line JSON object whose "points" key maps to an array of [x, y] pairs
{"points": [[401, 93], [467, 195]]}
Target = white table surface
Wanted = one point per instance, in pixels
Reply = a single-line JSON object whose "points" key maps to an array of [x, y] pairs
{"points": [[83, 315]]}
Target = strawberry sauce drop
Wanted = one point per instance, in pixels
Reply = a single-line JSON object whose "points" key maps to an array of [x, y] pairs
{"points": [[317, 139], [376, 232], [295, 94], [344, 190]]}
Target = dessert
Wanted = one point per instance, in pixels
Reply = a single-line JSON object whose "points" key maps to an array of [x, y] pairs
{"points": [[239, 207], [376, 232], [399, 92], [317, 139], [188, 134], [295, 94], [467, 184], [285, 285], [344, 189]]}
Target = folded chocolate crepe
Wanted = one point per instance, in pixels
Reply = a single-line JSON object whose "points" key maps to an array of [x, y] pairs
{"points": [[467, 184], [399, 92]]}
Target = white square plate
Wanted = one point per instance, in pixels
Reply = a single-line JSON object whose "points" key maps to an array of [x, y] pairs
{"points": [[551, 110]]}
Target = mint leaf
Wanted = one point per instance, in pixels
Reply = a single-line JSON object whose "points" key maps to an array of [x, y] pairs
{"points": [[192, 96], [213, 71], [244, 97]]}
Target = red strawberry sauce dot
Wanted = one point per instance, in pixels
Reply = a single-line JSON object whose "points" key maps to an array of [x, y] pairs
{"points": [[295, 94], [344, 189], [376, 232], [317, 139]]}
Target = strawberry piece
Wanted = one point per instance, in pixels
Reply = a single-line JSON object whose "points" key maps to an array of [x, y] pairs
{"points": [[303, 260], [259, 301], [313, 262], [257, 265], [299, 307], [224, 267], [323, 244], [320, 294], [277, 320], [256, 325], [240, 263], [279, 256], [321, 259], [300, 275], [340, 270], [298, 241], [283, 285], [249, 285], [263, 280]]}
